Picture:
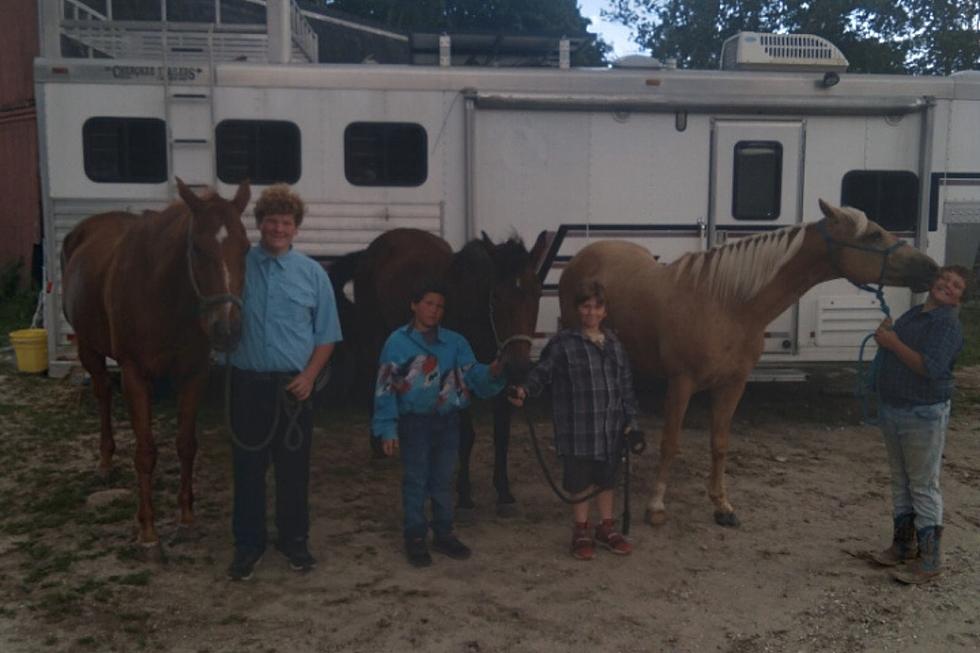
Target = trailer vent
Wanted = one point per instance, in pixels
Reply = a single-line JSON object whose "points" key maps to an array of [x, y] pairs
{"points": [[755, 51]]}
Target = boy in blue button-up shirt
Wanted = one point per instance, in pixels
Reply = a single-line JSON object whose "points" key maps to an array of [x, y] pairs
{"points": [[425, 377], [289, 330]]}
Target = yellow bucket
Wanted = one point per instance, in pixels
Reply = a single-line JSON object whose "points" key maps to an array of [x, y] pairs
{"points": [[31, 349]]}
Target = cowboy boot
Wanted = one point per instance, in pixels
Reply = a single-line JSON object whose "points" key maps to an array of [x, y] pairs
{"points": [[929, 563], [903, 543]]}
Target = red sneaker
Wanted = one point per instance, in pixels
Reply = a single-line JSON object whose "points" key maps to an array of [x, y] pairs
{"points": [[583, 548], [607, 535]]}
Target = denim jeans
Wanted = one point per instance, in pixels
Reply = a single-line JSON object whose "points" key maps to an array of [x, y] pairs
{"points": [[429, 446], [915, 437]]}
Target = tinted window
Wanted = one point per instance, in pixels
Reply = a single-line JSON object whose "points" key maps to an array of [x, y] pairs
{"points": [[889, 197], [758, 180], [385, 154], [262, 151], [125, 150]]}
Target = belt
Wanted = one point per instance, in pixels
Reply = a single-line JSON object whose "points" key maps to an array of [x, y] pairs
{"points": [[261, 377]]}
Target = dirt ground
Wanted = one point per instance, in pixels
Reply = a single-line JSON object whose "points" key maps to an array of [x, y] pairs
{"points": [[809, 483]]}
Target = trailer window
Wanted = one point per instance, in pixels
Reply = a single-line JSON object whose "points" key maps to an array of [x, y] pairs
{"points": [[385, 154], [125, 150], [262, 151], [889, 197], [757, 193]]}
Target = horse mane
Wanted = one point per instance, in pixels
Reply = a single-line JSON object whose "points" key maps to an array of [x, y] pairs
{"points": [[736, 271]]}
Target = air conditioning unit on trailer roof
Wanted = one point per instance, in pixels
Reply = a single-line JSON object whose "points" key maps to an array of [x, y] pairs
{"points": [[757, 51]]}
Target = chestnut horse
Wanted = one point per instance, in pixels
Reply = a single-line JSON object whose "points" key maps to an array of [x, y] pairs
{"points": [[493, 301], [700, 321], [155, 293]]}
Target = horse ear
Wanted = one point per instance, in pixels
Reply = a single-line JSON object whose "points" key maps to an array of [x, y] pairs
{"points": [[539, 249], [832, 213], [190, 199], [486, 238], [242, 196]]}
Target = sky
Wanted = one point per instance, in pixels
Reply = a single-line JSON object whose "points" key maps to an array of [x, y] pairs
{"points": [[615, 34]]}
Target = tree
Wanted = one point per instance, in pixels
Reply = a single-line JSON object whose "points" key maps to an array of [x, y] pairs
{"points": [[877, 36], [557, 17]]}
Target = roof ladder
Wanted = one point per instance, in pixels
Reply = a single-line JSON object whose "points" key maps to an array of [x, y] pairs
{"points": [[189, 114]]}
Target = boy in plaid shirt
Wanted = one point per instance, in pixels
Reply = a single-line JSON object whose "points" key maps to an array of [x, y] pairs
{"points": [[915, 384], [593, 406]]}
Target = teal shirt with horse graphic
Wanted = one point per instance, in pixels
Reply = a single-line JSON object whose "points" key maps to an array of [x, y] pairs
{"points": [[416, 376]]}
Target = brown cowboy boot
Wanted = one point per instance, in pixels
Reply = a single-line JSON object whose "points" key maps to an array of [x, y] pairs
{"points": [[903, 546], [929, 564]]}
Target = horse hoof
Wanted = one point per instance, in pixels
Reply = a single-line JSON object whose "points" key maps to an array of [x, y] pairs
{"points": [[152, 553], [507, 510], [727, 519], [185, 534], [465, 516], [656, 517]]}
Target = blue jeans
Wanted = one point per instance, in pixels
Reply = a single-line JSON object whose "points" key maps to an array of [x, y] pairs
{"points": [[429, 446], [915, 437]]}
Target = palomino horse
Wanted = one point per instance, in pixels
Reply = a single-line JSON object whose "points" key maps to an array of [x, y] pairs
{"points": [[156, 292], [700, 321], [493, 301]]}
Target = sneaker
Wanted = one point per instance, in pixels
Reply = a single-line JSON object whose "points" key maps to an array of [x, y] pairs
{"points": [[417, 552], [451, 546], [243, 564], [583, 548], [607, 535], [298, 555]]}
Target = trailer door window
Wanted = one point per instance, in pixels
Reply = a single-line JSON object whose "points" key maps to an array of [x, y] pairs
{"points": [[385, 154], [262, 151], [125, 150], [757, 187], [889, 197]]}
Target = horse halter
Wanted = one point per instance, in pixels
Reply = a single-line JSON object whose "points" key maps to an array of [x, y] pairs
{"points": [[204, 302], [502, 345], [884, 253]]}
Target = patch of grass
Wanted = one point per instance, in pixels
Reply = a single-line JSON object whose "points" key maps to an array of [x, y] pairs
{"points": [[233, 619], [87, 641], [55, 564], [16, 308], [57, 605], [970, 317], [138, 579]]}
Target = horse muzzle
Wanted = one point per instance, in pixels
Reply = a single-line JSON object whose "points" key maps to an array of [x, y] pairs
{"points": [[225, 335]]}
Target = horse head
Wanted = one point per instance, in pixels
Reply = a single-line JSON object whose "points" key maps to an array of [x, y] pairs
{"points": [[513, 302], [865, 253], [216, 248]]}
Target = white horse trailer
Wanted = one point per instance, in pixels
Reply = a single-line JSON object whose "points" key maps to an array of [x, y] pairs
{"points": [[677, 160]]}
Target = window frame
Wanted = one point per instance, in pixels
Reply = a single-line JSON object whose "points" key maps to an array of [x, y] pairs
{"points": [[126, 152], [905, 181], [385, 176], [256, 146], [777, 199]]}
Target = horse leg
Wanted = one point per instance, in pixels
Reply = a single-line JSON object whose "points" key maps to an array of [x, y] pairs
{"points": [[136, 389], [506, 503], [94, 364], [188, 398], [466, 438], [723, 403], [679, 391]]}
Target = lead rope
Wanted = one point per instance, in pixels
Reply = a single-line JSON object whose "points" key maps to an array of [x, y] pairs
{"points": [[867, 379], [285, 403], [565, 498]]}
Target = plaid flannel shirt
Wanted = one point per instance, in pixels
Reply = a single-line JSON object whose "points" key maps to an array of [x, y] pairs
{"points": [[592, 397], [938, 337]]}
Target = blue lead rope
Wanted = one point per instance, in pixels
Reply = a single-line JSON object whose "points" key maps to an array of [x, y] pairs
{"points": [[867, 379]]}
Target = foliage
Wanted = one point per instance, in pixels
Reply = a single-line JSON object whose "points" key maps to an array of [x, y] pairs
{"points": [[557, 17], [970, 317], [877, 36], [16, 305]]}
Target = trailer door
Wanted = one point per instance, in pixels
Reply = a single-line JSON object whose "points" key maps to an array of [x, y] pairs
{"points": [[756, 186]]}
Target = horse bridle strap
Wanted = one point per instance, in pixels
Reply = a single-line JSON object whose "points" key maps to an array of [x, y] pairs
{"points": [[884, 253], [205, 302], [503, 344]]}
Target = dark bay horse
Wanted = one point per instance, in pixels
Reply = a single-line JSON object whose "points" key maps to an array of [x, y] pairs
{"points": [[156, 293], [493, 300], [700, 321]]}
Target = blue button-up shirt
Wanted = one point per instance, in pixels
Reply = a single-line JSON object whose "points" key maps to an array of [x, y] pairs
{"points": [[938, 337], [289, 310]]}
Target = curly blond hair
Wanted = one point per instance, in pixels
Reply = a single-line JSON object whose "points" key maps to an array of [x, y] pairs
{"points": [[279, 199]]}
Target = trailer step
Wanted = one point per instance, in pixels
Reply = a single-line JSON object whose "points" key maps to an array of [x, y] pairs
{"points": [[777, 375]]}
